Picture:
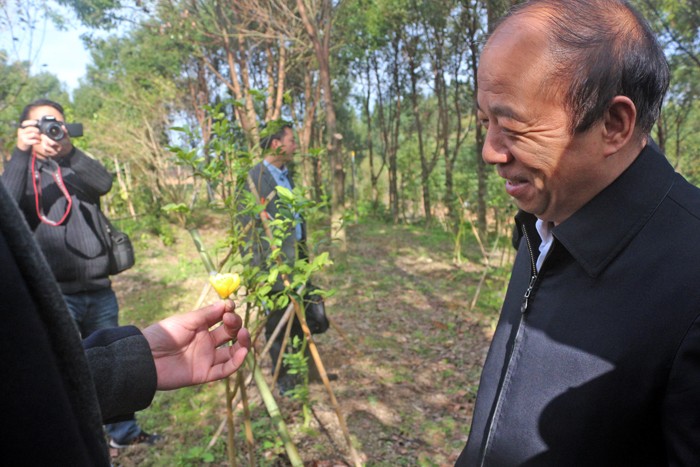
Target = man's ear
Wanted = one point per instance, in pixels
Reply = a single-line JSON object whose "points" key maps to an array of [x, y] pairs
{"points": [[619, 124]]}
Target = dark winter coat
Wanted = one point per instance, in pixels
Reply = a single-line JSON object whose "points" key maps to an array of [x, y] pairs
{"points": [[256, 239], [600, 365], [55, 394], [76, 250]]}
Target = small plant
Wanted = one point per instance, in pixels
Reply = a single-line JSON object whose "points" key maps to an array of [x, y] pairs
{"points": [[197, 455]]}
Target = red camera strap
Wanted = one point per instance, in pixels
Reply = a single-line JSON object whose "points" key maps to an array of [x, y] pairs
{"points": [[58, 178]]}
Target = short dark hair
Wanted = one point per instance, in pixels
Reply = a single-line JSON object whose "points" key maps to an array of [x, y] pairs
{"points": [[40, 103], [273, 130], [604, 48]]}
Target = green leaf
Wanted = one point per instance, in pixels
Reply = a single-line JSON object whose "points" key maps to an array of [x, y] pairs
{"points": [[176, 207], [284, 192]]}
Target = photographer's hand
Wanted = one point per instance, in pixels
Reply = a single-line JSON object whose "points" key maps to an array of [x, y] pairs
{"points": [[29, 137], [187, 352]]}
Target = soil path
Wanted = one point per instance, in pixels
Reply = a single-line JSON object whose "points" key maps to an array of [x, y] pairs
{"points": [[408, 388]]}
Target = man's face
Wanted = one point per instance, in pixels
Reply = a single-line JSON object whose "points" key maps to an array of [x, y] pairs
{"points": [[286, 146], [48, 147], [549, 172]]}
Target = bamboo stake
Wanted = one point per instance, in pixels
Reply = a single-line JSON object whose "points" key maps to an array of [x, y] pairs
{"points": [[326, 382], [487, 263], [234, 402], [274, 411], [339, 330], [250, 440], [219, 430], [229, 422], [206, 259], [278, 329]]}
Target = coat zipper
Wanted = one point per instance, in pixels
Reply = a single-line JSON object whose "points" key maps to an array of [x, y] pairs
{"points": [[516, 345], [533, 278]]}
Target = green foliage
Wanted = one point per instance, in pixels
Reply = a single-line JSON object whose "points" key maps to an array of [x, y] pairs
{"points": [[106, 14], [268, 442], [410, 314], [273, 127], [677, 24], [197, 455], [17, 89]]}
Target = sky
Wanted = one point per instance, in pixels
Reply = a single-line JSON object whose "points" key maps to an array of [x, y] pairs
{"points": [[61, 52]]}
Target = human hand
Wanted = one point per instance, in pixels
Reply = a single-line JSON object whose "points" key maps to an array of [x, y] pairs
{"points": [[29, 136], [186, 352]]}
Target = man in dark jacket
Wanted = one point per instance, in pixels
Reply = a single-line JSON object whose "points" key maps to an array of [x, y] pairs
{"points": [[56, 394], [58, 189], [596, 357], [278, 145]]}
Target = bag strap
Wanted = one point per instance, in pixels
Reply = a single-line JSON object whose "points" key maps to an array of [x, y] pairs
{"points": [[107, 227], [55, 173], [253, 189]]}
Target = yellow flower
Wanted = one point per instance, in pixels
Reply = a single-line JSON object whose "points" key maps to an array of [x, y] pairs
{"points": [[225, 284]]}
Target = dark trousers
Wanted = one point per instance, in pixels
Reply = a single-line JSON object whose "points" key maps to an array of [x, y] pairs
{"points": [[273, 320]]}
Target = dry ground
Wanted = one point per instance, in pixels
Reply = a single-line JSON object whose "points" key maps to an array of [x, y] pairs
{"points": [[407, 355]]}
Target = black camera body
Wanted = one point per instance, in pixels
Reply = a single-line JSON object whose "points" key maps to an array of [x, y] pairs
{"points": [[52, 128]]}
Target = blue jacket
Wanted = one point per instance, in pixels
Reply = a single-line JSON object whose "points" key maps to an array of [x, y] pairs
{"points": [[600, 364]]}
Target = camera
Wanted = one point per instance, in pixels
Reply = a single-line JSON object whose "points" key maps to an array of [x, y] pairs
{"points": [[52, 128]]}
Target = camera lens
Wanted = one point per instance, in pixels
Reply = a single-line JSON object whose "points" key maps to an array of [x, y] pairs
{"points": [[51, 128], [54, 131]]}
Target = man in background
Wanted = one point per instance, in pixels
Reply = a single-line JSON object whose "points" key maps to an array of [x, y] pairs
{"points": [[278, 147], [58, 189], [596, 357]]}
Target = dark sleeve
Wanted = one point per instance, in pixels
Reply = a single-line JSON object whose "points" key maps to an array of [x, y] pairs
{"points": [[681, 409], [16, 173], [50, 414], [86, 174], [250, 223], [123, 370]]}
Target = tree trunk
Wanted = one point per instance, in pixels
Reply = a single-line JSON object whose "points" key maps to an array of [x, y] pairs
{"points": [[276, 75], [661, 132], [496, 9], [370, 134], [467, 23], [393, 147], [199, 98], [424, 165], [384, 126], [321, 46]]}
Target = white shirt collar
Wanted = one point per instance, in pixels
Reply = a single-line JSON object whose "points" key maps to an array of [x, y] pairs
{"points": [[544, 229]]}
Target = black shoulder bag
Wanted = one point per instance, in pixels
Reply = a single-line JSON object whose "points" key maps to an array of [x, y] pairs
{"points": [[315, 310], [121, 252]]}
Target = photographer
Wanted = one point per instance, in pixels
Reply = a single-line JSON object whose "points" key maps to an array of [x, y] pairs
{"points": [[58, 190]]}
